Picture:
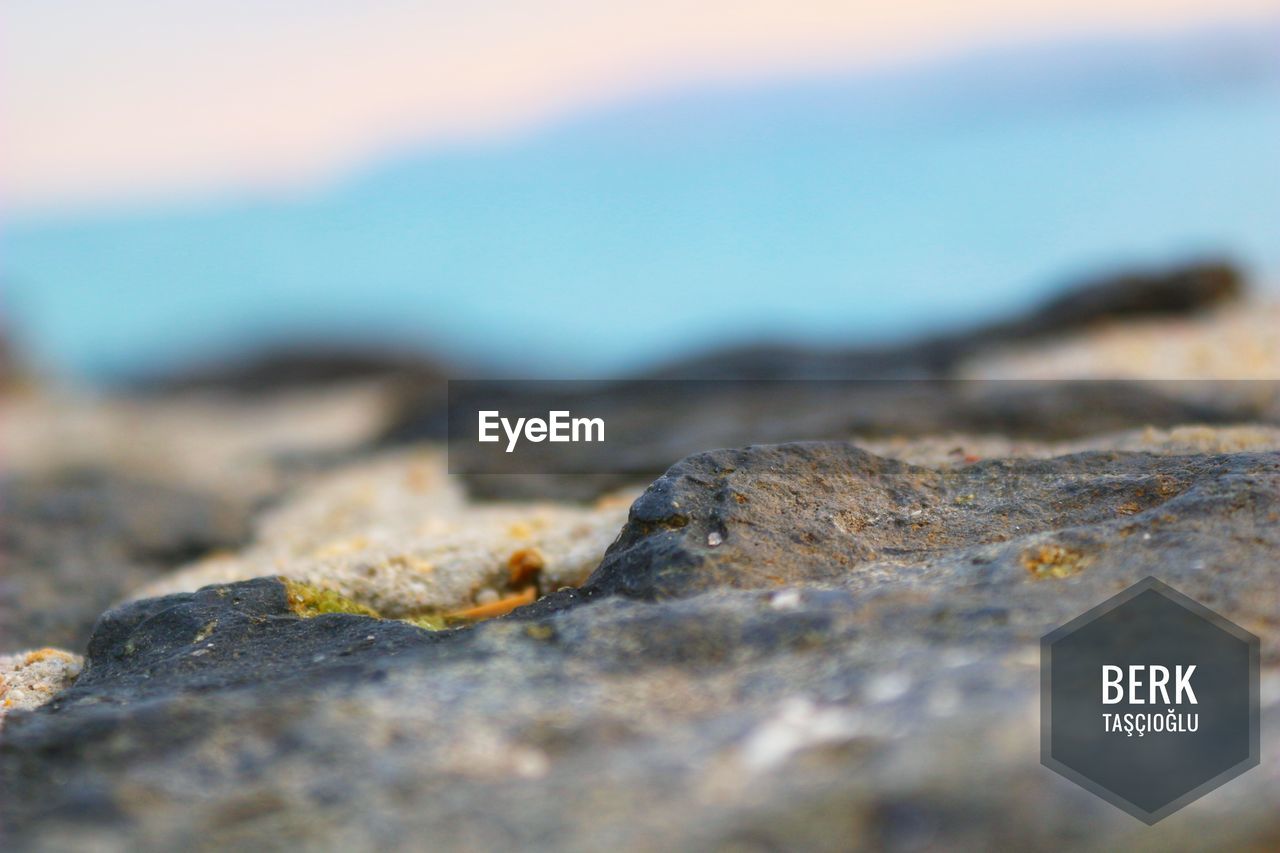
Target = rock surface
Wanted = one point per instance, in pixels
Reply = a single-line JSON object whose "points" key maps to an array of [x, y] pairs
{"points": [[789, 647], [1235, 342], [399, 535], [831, 513], [955, 449], [781, 645], [74, 543], [30, 679], [234, 448], [100, 496]]}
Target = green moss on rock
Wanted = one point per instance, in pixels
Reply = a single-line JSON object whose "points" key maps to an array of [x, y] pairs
{"points": [[308, 601]]}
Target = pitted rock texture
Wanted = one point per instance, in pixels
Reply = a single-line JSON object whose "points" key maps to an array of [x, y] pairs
{"points": [[880, 694], [953, 450], [831, 513]]}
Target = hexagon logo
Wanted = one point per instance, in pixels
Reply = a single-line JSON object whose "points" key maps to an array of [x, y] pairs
{"points": [[1149, 700]]}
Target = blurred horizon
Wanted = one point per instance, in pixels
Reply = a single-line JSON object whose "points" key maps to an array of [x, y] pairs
{"points": [[950, 182], [134, 99]]}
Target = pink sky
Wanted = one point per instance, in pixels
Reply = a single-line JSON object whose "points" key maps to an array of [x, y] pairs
{"points": [[132, 98]]}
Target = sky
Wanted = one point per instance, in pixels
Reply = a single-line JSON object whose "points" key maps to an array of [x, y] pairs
{"points": [[105, 103]]}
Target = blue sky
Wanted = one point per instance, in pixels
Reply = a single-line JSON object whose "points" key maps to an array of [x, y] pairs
{"points": [[829, 198]]}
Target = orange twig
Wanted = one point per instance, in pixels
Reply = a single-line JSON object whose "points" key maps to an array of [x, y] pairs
{"points": [[501, 607]]}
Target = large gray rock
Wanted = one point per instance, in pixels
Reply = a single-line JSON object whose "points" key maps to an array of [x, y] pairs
{"points": [[830, 513], [794, 647]]}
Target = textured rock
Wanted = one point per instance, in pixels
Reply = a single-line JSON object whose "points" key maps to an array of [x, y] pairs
{"points": [[399, 535], [956, 449], [882, 695], [73, 544], [827, 513], [29, 679]]}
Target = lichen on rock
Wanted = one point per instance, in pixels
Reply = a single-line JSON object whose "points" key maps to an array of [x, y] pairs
{"points": [[397, 535], [308, 601], [29, 679]]}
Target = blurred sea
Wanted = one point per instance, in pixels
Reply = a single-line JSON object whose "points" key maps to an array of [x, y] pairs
{"points": [[837, 210]]}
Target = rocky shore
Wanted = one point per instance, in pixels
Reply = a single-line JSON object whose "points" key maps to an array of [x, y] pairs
{"points": [[272, 620]]}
